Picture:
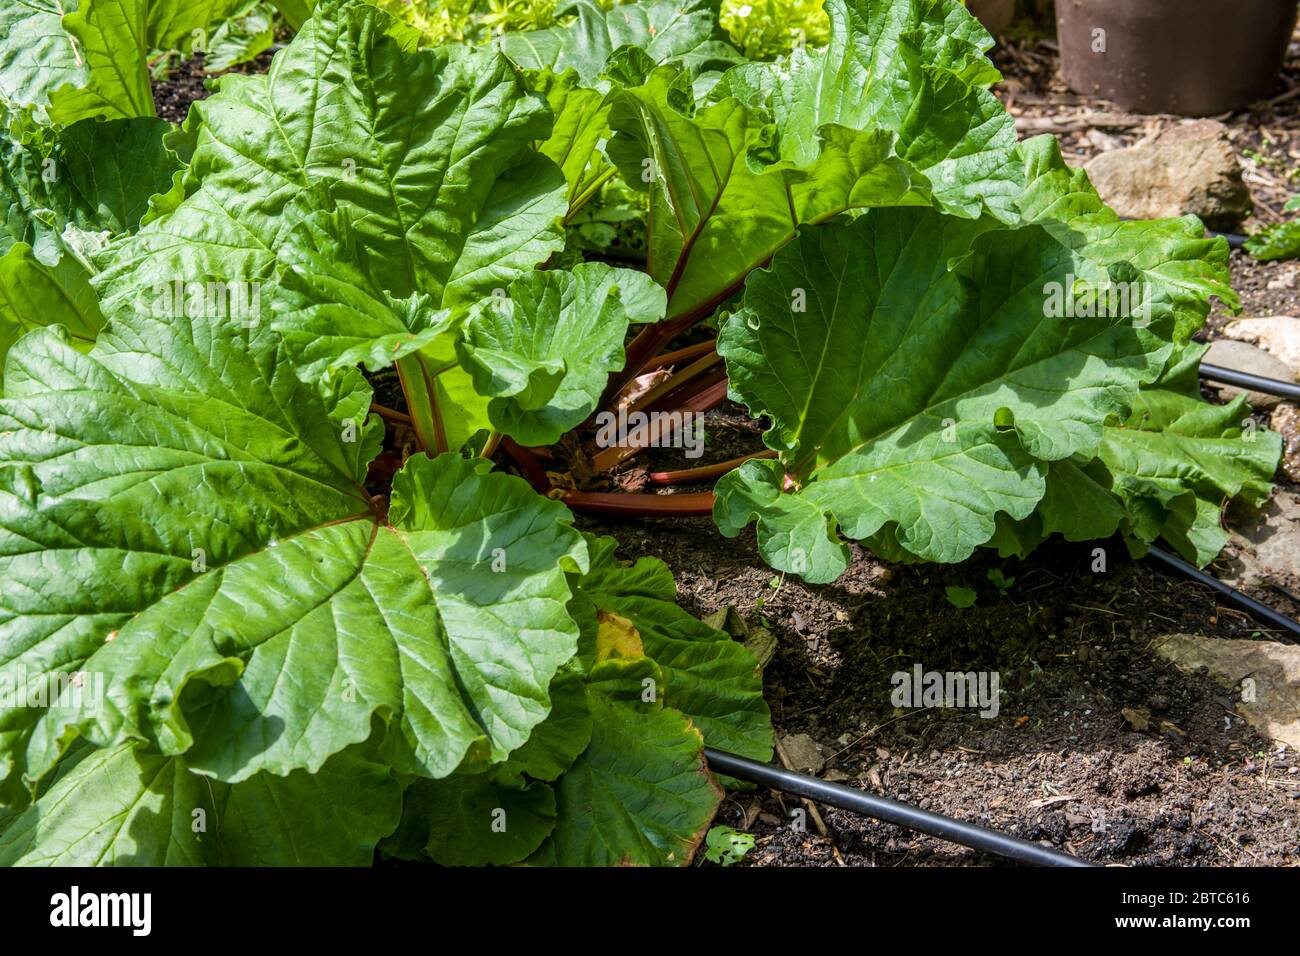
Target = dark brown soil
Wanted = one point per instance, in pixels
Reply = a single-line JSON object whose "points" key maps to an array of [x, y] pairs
{"points": [[1061, 762], [186, 82]]}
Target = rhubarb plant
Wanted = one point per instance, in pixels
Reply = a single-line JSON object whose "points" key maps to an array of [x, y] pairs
{"points": [[288, 473]]}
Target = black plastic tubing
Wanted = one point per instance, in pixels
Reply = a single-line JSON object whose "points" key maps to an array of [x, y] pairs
{"points": [[1261, 612], [891, 811], [1256, 383]]}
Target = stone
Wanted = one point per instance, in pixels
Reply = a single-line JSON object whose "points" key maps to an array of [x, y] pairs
{"points": [[1286, 280], [1243, 357], [1264, 676], [1267, 546], [804, 753], [1286, 422], [1276, 334], [1139, 718], [1188, 168]]}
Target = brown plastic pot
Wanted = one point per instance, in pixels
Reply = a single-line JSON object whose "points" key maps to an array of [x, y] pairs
{"points": [[1193, 57]]}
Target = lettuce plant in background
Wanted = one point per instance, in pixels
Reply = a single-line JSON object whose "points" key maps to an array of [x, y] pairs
{"points": [[764, 29], [274, 622], [1281, 240]]}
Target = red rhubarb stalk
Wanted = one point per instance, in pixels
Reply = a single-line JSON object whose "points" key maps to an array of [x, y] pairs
{"points": [[705, 472], [529, 466], [614, 504]]}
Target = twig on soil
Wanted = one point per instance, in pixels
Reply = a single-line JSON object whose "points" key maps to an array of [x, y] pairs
{"points": [[817, 820], [1284, 97], [1048, 124], [854, 743]]}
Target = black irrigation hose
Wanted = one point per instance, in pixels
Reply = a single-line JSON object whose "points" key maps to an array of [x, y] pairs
{"points": [[1234, 241], [1261, 611], [1256, 383], [891, 811]]}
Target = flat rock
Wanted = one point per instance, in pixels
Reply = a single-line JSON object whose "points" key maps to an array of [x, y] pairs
{"points": [[1264, 676], [1286, 279], [1268, 546], [1188, 168], [1278, 335], [804, 753], [1244, 357]]}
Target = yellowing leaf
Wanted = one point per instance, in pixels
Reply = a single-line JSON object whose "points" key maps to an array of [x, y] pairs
{"points": [[616, 637]]}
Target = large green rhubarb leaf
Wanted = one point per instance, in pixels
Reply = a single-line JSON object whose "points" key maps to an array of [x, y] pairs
{"points": [[621, 748], [640, 795], [1178, 268], [478, 820], [581, 126], [443, 191], [1164, 472], [915, 396], [180, 513], [716, 213], [914, 68], [111, 38], [77, 59], [1177, 459], [444, 188], [120, 806], [248, 31], [334, 312], [37, 56], [543, 352], [98, 176], [185, 25], [569, 66], [33, 294], [889, 114]]}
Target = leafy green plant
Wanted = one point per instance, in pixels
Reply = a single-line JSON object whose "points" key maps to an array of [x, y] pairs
{"points": [[458, 21], [959, 597], [1000, 580], [329, 609], [64, 193], [452, 636], [1278, 241], [763, 29], [247, 30], [727, 847]]}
